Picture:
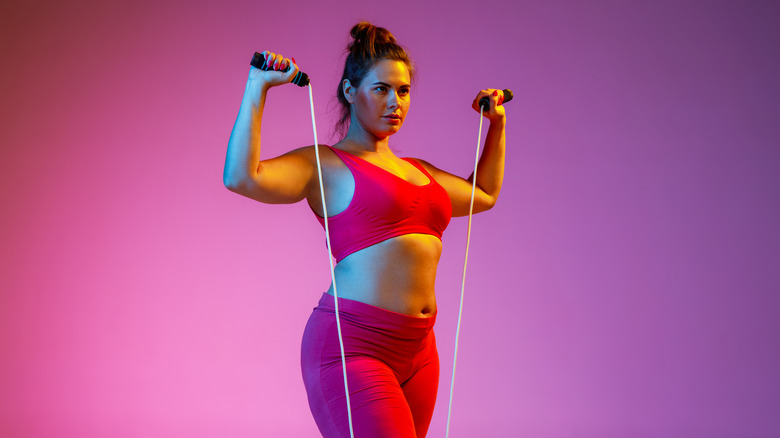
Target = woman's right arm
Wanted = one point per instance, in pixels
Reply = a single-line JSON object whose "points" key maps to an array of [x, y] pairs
{"points": [[282, 180]]}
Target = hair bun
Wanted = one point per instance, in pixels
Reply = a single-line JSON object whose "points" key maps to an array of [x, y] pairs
{"points": [[368, 40]]}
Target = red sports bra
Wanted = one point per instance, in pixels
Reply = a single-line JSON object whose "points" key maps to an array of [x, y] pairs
{"points": [[385, 206]]}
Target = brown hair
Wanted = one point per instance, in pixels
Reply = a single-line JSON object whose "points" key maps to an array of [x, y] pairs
{"points": [[369, 45]]}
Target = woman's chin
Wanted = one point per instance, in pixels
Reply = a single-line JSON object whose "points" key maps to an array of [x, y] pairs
{"points": [[392, 130], [384, 134]]}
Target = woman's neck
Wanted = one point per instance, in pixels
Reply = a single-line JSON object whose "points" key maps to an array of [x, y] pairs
{"points": [[365, 141]]}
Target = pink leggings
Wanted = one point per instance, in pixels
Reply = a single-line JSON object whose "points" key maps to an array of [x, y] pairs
{"points": [[392, 370]]}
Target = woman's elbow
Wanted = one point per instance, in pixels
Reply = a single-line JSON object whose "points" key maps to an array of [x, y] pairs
{"points": [[486, 202], [233, 183], [489, 203], [228, 181]]}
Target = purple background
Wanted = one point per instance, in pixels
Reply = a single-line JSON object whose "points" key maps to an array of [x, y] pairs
{"points": [[626, 284]]}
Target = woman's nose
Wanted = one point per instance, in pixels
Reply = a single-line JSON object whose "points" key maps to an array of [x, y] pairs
{"points": [[392, 100]]}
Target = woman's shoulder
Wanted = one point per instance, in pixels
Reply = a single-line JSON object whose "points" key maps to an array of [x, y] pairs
{"points": [[309, 153]]}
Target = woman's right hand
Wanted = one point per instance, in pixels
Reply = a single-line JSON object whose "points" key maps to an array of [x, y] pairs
{"points": [[274, 75]]}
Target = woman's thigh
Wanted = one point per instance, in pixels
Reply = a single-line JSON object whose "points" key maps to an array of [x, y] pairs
{"points": [[420, 392], [379, 405], [377, 401]]}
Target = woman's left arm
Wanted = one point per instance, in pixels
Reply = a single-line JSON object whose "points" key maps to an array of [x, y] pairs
{"points": [[490, 170]]}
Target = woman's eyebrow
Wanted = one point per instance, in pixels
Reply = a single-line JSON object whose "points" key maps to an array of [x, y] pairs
{"points": [[388, 85]]}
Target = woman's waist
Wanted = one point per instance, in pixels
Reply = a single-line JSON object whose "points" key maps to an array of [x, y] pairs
{"points": [[391, 288], [414, 304], [398, 275], [366, 315]]}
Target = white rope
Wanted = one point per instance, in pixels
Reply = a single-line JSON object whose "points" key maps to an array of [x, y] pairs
{"points": [[330, 259], [333, 274], [463, 284]]}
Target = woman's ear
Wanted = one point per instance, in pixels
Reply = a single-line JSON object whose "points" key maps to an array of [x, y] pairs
{"points": [[349, 91]]}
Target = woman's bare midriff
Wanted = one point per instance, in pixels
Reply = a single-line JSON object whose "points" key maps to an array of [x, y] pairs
{"points": [[398, 274]]}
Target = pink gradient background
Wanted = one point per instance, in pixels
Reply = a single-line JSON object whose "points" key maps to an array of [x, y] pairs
{"points": [[626, 284]]}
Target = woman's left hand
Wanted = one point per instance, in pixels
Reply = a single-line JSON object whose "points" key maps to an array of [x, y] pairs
{"points": [[496, 112]]}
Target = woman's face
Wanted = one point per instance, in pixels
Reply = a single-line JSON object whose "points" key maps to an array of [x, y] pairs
{"points": [[380, 103]]}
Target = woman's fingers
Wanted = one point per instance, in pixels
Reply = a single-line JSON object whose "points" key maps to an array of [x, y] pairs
{"points": [[275, 66], [483, 93], [496, 98]]}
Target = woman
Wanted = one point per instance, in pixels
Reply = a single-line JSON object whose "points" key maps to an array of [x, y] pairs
{"points": [[386, 217]]}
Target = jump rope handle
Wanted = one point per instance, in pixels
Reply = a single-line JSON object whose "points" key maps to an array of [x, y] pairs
{"points": [[485, 102], [258, 61]]}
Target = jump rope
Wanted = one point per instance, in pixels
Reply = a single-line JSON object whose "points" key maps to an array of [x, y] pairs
{"points": [[301, 79]]}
